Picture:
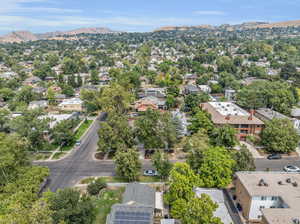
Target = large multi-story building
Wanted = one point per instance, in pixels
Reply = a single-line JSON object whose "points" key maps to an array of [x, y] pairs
{"points": [[223, 113], [268, 197]]}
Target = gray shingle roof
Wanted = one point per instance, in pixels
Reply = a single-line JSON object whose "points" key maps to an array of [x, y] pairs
{"points": [[139, 193]]}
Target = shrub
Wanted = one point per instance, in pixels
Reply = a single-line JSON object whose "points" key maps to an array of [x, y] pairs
{"points": [[96, 186]]}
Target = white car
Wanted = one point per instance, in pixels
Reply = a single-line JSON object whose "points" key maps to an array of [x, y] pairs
{"points": [[292, 169], [150, 173]]}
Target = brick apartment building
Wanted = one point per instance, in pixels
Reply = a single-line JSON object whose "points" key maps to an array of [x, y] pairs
{"points": [[223, 113], [268, 197]]}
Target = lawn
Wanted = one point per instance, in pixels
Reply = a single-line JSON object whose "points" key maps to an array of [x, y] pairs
{"points": [[41, 156], [58, 155], [105, 201], [83, 127], [80, 131], [115, 179]]}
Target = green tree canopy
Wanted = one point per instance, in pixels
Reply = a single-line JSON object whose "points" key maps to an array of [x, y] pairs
{"points": [[279, 136], [127, 164]]}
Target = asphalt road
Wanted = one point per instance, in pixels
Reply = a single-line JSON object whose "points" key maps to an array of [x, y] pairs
{"points": [[81, 163]]}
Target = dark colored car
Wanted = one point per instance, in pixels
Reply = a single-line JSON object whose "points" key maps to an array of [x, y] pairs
{"points": [[274, 156]]}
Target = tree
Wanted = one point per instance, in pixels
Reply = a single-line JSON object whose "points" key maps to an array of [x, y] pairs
{"points": [[201, 120], [51, 96], [13, 157], [193, 101], [68, 90], [162, 164], [62, 133], [197, 210], [4, 120], [279, 136], [276, 95], [94, 77], [115, 98], [70, 207], [127, 164], [244, 160], [96, 186], [289, 71], [224, 136], [181, 182], [32, 128], [69, 66], [216, 167], [156, 130], [115, 134]]}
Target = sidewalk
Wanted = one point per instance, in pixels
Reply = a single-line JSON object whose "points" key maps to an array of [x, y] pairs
{"points": [[252, 150]]}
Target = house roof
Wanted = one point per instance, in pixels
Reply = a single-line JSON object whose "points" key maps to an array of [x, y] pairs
{"points": [[270, 114], [139, 193], [295, 112], [217, 196], [137, 206], [229, 113]]}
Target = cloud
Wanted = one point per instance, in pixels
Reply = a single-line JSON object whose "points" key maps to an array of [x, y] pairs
{"points": [[19, 6], [209, 13]]}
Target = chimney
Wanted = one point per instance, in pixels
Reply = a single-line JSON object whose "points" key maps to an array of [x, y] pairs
{"points": [[250, 118]]}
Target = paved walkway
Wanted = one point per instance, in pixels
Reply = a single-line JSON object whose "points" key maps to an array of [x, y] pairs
{"points": [[298, 151], [252, 150]]}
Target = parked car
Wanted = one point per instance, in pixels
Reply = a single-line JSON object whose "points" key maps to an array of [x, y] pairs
{"points": [[292, 169], [150, 173], [274, 156], [78, 143]]}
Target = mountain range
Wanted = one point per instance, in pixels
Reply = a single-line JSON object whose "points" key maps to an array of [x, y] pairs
{"points": [[243, 26], [22, 36]]}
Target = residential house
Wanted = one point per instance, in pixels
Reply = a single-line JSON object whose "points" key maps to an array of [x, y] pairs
{"points": [[73, 104], [295, 113], [227, 113], [39, 104], [104, 78], [191, 89], [57, 118], [268, 197], [216, 196], [267, 114], [8, 75], [191, 78], [205, 88], [31, 81], [230, 94], [155, 92], [150, 102], [60, 98], [139, 205]]}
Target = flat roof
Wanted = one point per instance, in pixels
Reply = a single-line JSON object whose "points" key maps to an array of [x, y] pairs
{"points": [[229, 113], [286, 191]]}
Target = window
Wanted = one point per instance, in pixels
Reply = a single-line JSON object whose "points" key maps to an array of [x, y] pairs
{"points": [[244, 131], [261, 207], [244, 126], [274, 198], [263, 198]]}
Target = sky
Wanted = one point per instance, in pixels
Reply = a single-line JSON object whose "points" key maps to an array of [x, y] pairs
{"points": [[138, 15]]}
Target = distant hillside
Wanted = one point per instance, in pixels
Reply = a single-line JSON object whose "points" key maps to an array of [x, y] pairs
{"points": [[182, 28], [18, 36], [94, 30], [22, 36], [248, 25]]}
